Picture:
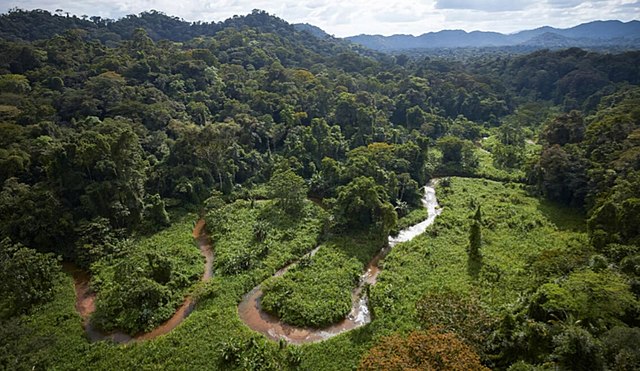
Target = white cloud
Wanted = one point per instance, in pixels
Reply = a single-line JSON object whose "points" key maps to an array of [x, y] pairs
{"points": [[345, 18], [486, 5], [564, 3]]}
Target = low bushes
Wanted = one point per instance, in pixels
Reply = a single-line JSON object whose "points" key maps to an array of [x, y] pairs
{"points": [[142, 286], [316, 292]]}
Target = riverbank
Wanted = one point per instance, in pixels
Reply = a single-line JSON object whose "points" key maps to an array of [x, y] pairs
{"points": [[86, 297], [517, 230], [255, 317]]}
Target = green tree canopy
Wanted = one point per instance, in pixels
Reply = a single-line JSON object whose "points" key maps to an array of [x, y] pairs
{"points": [[363, 204], [288, 189]]}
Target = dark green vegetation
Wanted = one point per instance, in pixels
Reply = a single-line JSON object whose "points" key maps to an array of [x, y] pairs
{"points": [[33, 285], [109, 131]]}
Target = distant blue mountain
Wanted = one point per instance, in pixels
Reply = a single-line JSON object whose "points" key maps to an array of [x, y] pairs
{"points": [[587, 34]]}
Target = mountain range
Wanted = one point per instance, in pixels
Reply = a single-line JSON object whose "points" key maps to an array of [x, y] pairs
{"points": [[597, 33], [38, 24]]}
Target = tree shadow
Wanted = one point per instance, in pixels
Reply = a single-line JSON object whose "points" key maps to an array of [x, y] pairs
{"points": [[563, 217], [360, 245], [474, 265]]}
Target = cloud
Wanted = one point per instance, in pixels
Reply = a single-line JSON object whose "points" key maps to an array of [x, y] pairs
{"points": [[562, 4], [634, 5], [351, 17], [401, 13], [486, 6], [314, 4], [398, 17]]}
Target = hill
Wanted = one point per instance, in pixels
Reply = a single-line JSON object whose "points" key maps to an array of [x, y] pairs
{"points": [[598, 33]]}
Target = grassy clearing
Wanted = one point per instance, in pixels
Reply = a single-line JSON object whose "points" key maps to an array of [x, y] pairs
{"points": [[487, 169], [516, 228], [262, 238]]}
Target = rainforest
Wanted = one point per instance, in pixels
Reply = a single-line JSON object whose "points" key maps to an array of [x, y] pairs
{"points": [[253, 195]]}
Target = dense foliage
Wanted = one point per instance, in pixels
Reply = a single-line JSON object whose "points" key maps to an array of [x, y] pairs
{"points": [[421, 351], [141, 286], [535, 259], [27, 278], [109, 130], [317, 292]]}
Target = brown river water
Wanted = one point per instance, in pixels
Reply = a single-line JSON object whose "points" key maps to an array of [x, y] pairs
{"points": [[249, 309], [252, 315], [85, 297]]}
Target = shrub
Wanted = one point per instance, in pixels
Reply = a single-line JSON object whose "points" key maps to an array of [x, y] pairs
{"points": [[142, 286], [316, 293], [576, 349], [601, 299], [430, 350], [27, 277], [456, 313]]}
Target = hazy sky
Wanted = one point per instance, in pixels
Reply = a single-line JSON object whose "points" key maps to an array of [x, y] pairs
{"points": [[351, 17]]}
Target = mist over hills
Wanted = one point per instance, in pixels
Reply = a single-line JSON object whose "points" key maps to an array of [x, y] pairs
{"points": [[597, 33]]}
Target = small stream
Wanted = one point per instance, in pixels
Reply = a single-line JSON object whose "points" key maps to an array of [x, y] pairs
{"points": [[85, 298], [252, 315]]}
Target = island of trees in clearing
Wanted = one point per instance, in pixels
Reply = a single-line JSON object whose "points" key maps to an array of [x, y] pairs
{"points": [[117, 136]]}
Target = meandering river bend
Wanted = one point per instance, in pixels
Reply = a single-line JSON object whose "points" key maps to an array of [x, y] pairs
{"points": [[252, 315], [85, 298], [249, 309]]}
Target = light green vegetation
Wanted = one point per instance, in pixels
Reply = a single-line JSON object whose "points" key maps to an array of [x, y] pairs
{"points": [[262, 237], [317, 291], [516, 228], [487, 169], [532, 148], [413, 217], [141, 286], [483, 164], [50, 334]]}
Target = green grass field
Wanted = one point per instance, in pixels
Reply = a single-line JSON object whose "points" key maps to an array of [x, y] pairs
{"points": [[516, 228]]}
